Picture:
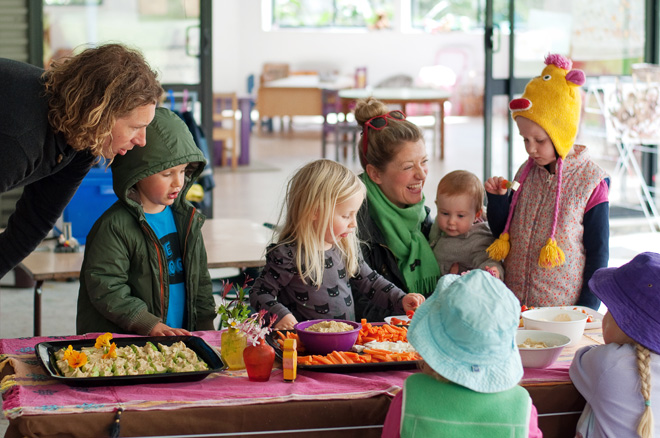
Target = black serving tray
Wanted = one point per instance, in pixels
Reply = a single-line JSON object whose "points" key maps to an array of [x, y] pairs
{"points": [[45, 352], [272, 337]]}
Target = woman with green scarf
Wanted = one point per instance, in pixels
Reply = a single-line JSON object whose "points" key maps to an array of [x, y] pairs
{"points": [[393, 223]]}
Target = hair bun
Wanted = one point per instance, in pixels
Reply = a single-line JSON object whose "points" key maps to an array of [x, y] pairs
{"points": [[367, 108]]}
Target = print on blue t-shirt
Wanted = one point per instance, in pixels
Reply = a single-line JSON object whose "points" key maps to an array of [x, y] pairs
{"points": [[163, 225]]}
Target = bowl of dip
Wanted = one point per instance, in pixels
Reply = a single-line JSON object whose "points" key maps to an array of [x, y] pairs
{"points": [[560, 320], [540, 349], [323, 336]]}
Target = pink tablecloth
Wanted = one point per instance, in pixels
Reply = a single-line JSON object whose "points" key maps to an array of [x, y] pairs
{"points": [[30, 390]]}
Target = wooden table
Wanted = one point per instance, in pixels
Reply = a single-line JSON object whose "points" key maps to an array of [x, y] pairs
{"points": [[402, 97], [315, 405], [296, 95], [230, 243]]}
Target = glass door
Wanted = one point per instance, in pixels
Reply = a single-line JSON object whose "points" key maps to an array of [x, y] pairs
{"points": [[173, 35], [603, 38]]}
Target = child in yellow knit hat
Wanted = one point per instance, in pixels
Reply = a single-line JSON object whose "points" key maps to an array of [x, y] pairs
{"points": [[554, 229]]}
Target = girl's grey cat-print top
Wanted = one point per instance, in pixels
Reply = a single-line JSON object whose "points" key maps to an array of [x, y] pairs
{"points": [[280, 290]]}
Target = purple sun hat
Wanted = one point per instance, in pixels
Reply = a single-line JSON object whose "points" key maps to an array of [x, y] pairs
{"points": [[631, 293]]}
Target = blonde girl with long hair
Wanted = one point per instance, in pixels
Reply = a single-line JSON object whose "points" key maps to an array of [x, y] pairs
{"points": [[616, 378], [315, 263]]}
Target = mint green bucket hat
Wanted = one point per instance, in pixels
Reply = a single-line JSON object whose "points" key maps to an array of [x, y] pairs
{"points": [[466, 331]]}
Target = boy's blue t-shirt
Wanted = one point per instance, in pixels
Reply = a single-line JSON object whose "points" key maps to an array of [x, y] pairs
{"points": [[163, 225]]}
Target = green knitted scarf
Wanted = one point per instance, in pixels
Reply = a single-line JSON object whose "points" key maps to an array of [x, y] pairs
{"points": [[402, 230]]}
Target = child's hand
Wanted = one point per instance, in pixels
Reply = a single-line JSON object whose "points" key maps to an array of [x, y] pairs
{"points": [[161, 329], [412, 301], [495, 185], [493, 271], [286, 323]]}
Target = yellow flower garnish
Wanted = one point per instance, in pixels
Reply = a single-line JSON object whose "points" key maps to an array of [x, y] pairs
{"points": [[77, 359], [112, 352], [68, 352], [103, 340]]}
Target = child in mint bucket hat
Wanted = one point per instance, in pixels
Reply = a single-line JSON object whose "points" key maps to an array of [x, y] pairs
{"points": [[468, 387], [615, 378]]}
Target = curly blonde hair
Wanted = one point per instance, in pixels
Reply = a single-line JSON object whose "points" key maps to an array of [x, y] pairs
{"points": [[88, 92], [382, 145], [312, 195]]}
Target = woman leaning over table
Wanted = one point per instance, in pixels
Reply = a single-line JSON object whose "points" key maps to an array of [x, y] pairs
{"points": [[393, 223], [54, 124]]}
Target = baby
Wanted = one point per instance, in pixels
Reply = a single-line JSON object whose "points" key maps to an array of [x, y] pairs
{"points": [[459, 244]]}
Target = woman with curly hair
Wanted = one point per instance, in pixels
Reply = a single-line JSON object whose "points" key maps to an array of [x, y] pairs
{"points": [[55, 124]]}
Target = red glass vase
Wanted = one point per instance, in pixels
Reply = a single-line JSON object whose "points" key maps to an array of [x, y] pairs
{"points": [[259, 361]]}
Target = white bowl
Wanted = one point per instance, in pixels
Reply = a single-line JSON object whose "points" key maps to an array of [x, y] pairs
{"points": [[548, 319], [540, 357]]}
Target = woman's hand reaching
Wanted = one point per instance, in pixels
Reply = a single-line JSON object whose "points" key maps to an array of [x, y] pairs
{"points": [[412, 301]]}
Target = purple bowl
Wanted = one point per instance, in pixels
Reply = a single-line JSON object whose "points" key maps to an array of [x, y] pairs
{"points": [[324, 343]]}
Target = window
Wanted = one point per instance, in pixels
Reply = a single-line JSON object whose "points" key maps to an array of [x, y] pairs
{"points": [[332, 13], [447, 15]]}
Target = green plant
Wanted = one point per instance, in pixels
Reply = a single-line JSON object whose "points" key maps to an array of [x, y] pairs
{"points": [[232, 312]]}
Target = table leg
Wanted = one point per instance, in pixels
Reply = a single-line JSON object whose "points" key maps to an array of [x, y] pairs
{"points": [[442, 130], [37, 307], [245, 105]]}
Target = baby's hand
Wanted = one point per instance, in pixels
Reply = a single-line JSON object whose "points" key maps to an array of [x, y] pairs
{"points": [[286, 323], [161, 329], [494, 185], [412, 301], [493, 271]]}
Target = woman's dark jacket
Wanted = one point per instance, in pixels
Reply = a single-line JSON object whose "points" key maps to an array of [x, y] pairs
{"points": [[381, 259], [35, 158]]}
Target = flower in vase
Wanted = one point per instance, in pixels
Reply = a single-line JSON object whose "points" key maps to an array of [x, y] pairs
{"points": [[255, 327], [233, 312]]}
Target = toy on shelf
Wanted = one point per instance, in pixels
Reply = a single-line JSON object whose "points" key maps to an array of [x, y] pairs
{"points": [[66, 242]]}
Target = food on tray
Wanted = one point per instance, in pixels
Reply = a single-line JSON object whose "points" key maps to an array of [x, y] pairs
{"points": [[330, 326], [589, 317], [530, 343], [524, 308], [375, 343], [385, 332], [106, 359], [394, 347]]}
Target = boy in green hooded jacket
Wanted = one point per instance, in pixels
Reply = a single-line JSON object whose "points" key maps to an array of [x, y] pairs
{"points": [[145, 269]]}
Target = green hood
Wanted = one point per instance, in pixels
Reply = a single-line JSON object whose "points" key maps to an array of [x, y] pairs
{"points": [[169, 144]]}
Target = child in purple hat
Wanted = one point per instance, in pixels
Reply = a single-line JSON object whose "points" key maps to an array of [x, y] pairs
{"points": [[615, 378]]}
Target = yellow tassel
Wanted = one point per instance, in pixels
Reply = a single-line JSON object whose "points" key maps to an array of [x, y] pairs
{"points": [[499, 249], [551, 255]]}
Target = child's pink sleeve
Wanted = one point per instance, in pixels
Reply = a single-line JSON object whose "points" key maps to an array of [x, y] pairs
{"points": [[534, 431], [598, 196], [392, 426]]}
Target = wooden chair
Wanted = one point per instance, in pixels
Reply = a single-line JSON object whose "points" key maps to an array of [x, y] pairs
{"points": [[225, 127]]}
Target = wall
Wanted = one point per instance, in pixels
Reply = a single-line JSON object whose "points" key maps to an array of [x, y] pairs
{"points": [[241, 47]]}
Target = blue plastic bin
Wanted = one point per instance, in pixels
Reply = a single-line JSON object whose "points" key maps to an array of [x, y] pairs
{"points": [[93, 197]]}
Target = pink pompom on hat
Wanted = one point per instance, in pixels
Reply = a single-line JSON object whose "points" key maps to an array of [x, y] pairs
{"points": [[553, 101]]}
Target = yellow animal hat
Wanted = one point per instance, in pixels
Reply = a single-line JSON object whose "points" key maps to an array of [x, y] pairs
{"points": [[553, 101]]}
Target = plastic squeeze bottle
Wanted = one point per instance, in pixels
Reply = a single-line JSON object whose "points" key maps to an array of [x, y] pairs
{"points": [[290, 360]]}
